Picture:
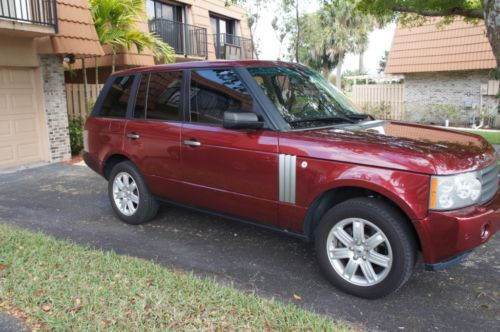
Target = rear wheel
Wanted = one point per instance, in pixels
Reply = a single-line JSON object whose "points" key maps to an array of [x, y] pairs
{"points": [[365, 247], [129, 195]]}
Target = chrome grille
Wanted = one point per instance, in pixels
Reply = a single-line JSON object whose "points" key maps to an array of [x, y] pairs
{"points": [[489, 182]]}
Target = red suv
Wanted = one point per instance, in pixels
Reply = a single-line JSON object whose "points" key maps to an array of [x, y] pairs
{"points": [[274, 144]]}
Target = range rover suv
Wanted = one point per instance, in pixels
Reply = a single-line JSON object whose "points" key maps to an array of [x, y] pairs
{"points": [[274, 144]]}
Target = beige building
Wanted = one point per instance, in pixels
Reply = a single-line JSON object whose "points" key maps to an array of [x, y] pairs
{"points": [[196, 29], [35, 36]]}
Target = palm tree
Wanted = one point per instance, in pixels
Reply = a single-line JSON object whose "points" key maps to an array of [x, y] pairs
{"points": [[368, 24], [347, 27], [116, 25], [315, 50]]}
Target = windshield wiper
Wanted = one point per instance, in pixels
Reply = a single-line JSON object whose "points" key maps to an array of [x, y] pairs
{"points": [[360, 116], [338, 119]]}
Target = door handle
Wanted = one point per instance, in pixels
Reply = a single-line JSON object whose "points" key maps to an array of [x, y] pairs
{"points": [[191, 142], [133, 136]]}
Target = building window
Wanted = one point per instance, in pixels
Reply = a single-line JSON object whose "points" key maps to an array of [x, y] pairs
{"points": [[225, 39], [222, 26], [165, 19], [161, 10]]}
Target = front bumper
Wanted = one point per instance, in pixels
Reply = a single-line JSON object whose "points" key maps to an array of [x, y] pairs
{"points": [[446, 236]]}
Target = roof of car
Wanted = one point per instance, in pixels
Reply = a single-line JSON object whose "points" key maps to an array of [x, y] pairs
{"points": [[207, 64]]}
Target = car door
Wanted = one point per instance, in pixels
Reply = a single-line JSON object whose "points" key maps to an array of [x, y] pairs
{"points": [[229, 171], [153, 131]]}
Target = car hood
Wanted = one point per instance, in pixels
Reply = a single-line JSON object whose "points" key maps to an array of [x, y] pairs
{"points": [[395, 145]]}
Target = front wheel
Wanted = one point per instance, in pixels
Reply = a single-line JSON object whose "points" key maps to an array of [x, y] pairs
{"points": [[366, 247], [129, 195]]}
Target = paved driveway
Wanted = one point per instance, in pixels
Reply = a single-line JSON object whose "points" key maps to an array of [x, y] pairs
{"points": [[70, 202]]}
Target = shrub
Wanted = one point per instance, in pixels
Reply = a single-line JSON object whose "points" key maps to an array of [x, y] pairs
{"points": [[381, 110], [436, 114], [76, 134]]}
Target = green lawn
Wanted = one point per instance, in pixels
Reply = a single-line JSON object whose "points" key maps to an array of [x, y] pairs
{"points": [[69, 287], [491, 136]]}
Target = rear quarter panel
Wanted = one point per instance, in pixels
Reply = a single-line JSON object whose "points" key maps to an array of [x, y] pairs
{"points": [[105, 138]]}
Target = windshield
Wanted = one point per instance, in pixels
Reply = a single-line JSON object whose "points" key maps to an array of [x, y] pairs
{"points": [[303, 97]]}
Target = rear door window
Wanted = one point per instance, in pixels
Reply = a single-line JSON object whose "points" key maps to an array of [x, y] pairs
{"points": [[164, 96], [159, 96], [116, 101]]}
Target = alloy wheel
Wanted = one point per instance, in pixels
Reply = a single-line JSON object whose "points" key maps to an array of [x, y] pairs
{"points": [[359, 252], [125, 193]]}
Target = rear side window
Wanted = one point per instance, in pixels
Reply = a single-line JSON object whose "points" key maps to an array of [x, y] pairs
{"points": [[115, 103], [215, 91], [159, 96]]}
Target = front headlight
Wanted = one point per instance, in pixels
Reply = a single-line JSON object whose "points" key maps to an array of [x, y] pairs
{"points": [[450, 192]]}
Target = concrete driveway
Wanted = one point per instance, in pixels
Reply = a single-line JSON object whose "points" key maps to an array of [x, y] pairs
{"points": [[70, 202]]}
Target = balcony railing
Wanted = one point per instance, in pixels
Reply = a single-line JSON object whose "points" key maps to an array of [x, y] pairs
{"points": [[39, 12], [231, 47], [186, 39]]}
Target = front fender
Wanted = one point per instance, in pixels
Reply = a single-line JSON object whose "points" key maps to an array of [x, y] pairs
{"points": [[407, 190]]}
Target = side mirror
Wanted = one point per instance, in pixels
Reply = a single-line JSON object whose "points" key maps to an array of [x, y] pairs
{"points": [[241, 120]]}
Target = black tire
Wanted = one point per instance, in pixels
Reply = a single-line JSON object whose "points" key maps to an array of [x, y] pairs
{"points": [[397, 231], [147, 206]]}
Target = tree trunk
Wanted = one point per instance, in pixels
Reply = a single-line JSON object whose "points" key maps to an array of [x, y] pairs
{"points": [[297, 19], [254, 51], [96, 72], [492, 22], [113, 60], [279, 50], [325, 70], [85, 82], [338, 79], [361, 65]]}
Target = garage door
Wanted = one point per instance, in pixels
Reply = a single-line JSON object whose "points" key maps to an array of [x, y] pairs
{"points": [[20, 133]]}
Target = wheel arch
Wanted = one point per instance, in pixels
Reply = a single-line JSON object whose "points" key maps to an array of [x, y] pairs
{"points": [[339, 194], [110, 162]]}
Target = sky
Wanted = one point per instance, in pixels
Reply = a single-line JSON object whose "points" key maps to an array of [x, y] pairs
{"points": [[379, 40]]}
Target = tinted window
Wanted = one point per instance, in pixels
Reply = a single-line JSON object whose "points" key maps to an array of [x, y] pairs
{"points": [[164, 96], [115, 103], [303, 97], [215, 91], [140, 100]]}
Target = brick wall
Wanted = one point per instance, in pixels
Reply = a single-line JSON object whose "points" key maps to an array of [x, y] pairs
{"points": [[458, 89], [55, 107]]}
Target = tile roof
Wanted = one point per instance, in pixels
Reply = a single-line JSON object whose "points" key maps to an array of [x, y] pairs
{"points": [[428, 48], [124, 57], [76, 33]]}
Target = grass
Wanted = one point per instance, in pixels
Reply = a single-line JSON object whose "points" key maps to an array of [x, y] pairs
{"points": [[69, 287], [491, 136]]}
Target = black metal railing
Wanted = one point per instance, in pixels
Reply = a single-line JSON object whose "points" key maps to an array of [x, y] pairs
{"points": [[40, 12], [231, 47], [186, 39]]}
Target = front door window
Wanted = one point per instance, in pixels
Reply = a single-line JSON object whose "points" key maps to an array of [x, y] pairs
{"points": [[215, 91]]}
